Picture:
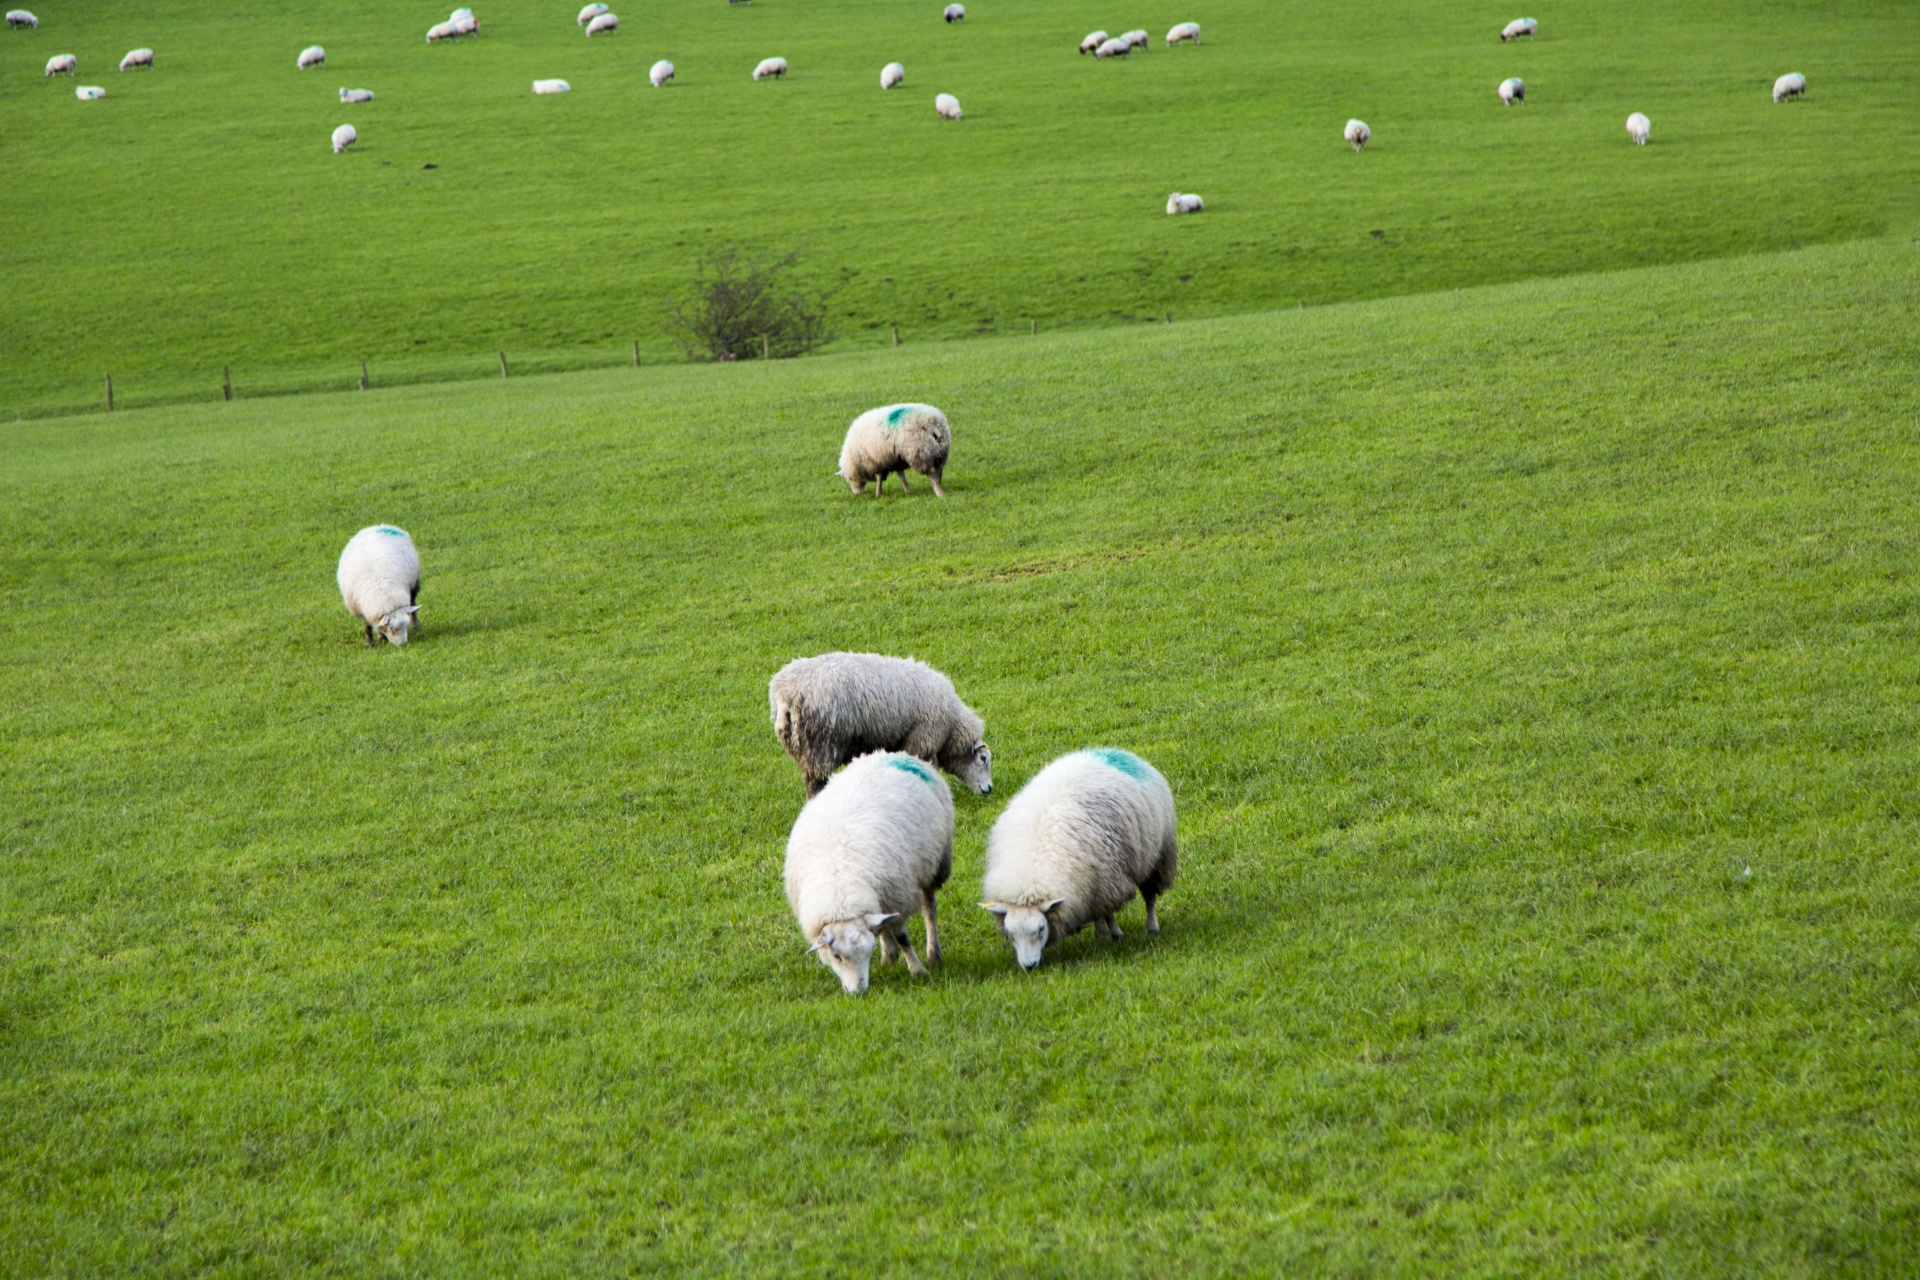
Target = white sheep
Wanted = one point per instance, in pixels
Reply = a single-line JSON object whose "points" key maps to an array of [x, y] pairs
{"points": [[552, 86], [603, 24], [1528, 27], [1791, 85], [21, 18], [1114, 48], [1357, 134], [1182, 32], [356, 95], [1638, 127], [1091, 830], [1512, 91], [956, 13], [464, 25], [312, 56], [892, 74], [589, 13], [137, 58], [88, 92], [1138, 39], [1093, 40], [63, 64], [440, 31], [875, 845], [1185, 203], [949, 108], [660, 73], [897, 437], [833, 708], [343, 137], [775, 67], [380, 568]]}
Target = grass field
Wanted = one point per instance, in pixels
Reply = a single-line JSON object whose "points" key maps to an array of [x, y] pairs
{"points": [[1535, 667], [196, 217]]}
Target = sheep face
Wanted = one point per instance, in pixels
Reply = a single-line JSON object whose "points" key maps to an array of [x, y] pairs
{"points": [[393, 627], [975, 768], [1026, 928], [846, 947]]}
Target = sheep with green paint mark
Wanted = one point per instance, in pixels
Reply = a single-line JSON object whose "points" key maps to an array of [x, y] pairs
{"points": [[893, 440], [379, 581], [1091, 830]]}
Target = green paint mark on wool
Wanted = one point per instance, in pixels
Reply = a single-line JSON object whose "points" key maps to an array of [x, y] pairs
{"points": [[907, 764], [1125, 761], [898, 413], [390, 531]]}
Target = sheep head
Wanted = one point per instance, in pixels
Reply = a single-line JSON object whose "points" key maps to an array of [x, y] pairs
{"points": [[394, 626], [846, 947], [1026, 927]]}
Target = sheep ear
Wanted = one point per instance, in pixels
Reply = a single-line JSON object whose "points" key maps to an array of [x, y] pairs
{"points": [[1046, 908], [818, 943], [412, 609], [877, 918], [998, 908]]}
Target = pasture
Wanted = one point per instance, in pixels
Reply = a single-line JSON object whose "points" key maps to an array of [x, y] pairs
{"points": [[1534, 666]]}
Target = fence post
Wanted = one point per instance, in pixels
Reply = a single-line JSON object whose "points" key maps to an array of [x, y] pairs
{"points": [[363, 375], [896, 335], [636, 353], [226, 382], [1033, 328], [1169, 317], [766, 350], [503, 364], [109, 393]]}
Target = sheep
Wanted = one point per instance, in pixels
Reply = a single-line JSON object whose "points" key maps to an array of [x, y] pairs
{"points": [[1091, 830], [380, 568], [21, 18], [343, 137], [464, 24], [660, 73], [1188, 203], [63, 64], [833, 708], [589, 13], [949, 108], [1114, 48], [891, 439], [1528, 27], [892, 74], [1638, 127], [603, 24], [1357, 134], [873, 846], [1791, 85], [88, 92], [775, 67], [356, 95], [1138, 39], [137, 58], [1182, 32], [552, 86], [312, 56], [440, 31], [956, 13], [1512, 91], [1094, 40]]}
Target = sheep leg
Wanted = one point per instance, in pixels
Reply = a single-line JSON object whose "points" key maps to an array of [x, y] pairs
{"points": [[904, 486], [930, 913], [889, 949], [879, 484], [1153, 919], [933, 478], [371, 642], [1113, 930], [914, 966]]}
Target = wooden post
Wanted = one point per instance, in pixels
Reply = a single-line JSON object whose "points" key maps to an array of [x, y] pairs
{"points": [[1033, 328], [766, 350], [503, 364], [363, 375], [896, 335], [636, 353], [226, 382], [1169, 317], [109, 392]]}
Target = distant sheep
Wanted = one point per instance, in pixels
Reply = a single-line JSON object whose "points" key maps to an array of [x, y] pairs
{"points": [[343, 137], [21, 18], [1791, 85], [356, 95], [956, 13], [1138, 39], [380, 569], [660, 73], [63, 64], [137, 58], [892, 74], [88, 92], [838, 706], [603, 24], [1093, 40], [1183, 32], [1357, 134], [312, 56], [440, 31], [464, 24], [898, 437], [874, 846], [1114, 48], [1185, 203], [1528, 27], [1090, 831], [589, 13], [775, 67], [552, 86], [1638, 127], [949, 108], [1512, 91]]}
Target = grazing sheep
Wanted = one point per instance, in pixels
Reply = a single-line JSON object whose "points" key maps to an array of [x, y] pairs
{"points": [[312, 56], [63, 64], [1528, 27], [775, 67], [380, 569], [833, 708], [949, 108], [1138, 39], [440, 31], [1093, 41], [892, 74], [956, 13], [1357, 134], [21, 18], [603, 24], [1114, 48], [890, 440], [356, 95], [1187, 203], [343, 137], [1791, 85], [589, 13], [552, 86], [875, 845], [1182, 32], [137, 58], [1075, 845], [1638, 127], [1512, 91], [88, 92], [464, 24], [660, 73]]}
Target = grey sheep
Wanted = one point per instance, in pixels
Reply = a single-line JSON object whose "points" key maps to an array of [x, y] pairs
{"points": [[830, 709]]}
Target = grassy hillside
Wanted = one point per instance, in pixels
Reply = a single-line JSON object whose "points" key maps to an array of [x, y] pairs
{"points": [[1534, 667], [196, 217]]}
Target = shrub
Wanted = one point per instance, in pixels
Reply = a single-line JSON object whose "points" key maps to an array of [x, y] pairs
{"points": [[741, 308]]}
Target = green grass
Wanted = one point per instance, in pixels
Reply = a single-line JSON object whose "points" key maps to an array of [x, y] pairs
{"points": [[196, 217], [1534, 667]]}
